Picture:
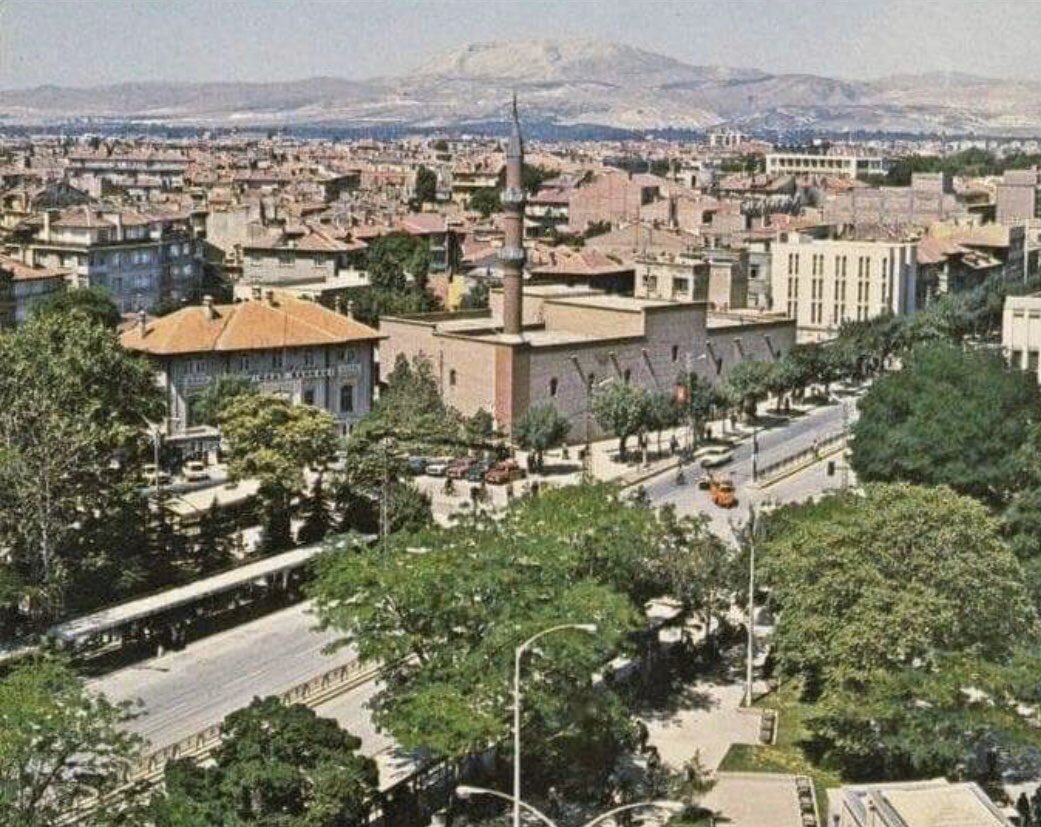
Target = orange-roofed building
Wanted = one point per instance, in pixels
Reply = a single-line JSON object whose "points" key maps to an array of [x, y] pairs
{"points": [[284, 345]]}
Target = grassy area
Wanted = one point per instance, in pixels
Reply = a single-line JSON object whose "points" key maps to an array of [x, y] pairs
{"points": [[787, 754]]}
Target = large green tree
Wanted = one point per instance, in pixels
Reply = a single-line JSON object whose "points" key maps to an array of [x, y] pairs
{"points": [[541, 428], [621, 409], [393, 258], [59, 745], [443, 609], [73, 406], [749, 383], [276, 766], [276, 442], [206, 407], [91, 303], [882, 594], [950, 417]]}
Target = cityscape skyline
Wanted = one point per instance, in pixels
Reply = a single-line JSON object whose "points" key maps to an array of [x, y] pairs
{"points": [[871, 40]]}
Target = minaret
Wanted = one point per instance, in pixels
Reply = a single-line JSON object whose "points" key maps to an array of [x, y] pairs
{"points": [[512, 253]]}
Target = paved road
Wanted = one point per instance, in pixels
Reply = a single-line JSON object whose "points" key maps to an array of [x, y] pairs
{"points": [[185, 692]]}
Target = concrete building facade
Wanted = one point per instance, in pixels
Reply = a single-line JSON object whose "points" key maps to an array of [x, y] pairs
{"points": [[823, 283], [1021, 333]]}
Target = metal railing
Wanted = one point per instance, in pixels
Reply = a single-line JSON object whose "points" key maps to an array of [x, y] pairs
{"points": [[774, 469]]}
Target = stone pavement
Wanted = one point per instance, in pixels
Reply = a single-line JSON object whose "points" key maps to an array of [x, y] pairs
{"points": [[745, 799]]}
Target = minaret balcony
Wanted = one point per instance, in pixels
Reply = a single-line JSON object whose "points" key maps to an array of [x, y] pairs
{"points": [[509, 255], [512, 196]]}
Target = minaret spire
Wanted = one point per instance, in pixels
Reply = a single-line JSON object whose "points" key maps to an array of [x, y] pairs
{"points": [[512, 253]]}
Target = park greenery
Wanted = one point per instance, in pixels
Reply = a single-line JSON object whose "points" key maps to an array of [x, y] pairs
{"points": [[541, 428], [907, 621], [444, 608], [397, 266], [277, 765], [61, 745]]}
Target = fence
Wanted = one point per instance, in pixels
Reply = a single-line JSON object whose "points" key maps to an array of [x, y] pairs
{"points": [[765, 473], [311, 692]]}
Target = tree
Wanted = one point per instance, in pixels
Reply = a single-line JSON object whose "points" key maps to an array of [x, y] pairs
{"points": [[476, 298], [621, 409], [444, 608], [749, 383], [479, 429], [393, 258], [883, 595], [426, 186], [949, 417], [276, 765], [541, 428], [91, 303], [276, 442], [317, 516], [72, 409], [60, 743], [661, 413], [206, 407], [215, 542], [485, 201]]}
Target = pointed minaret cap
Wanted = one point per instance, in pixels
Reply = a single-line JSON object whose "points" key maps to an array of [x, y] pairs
{"points": [[515, 148]]}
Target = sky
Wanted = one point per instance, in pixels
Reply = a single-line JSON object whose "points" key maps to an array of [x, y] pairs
{"points": [[90, 42]]}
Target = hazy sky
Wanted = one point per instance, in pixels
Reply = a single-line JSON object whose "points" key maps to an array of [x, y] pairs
{"points": [[84, 42]]}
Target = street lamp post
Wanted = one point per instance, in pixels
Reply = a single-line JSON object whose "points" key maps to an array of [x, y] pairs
{"points": [[465, 791], [753, 534], [518, 654]]}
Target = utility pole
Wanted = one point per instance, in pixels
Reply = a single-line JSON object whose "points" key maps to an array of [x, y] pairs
{"points": [[753, 528], [845, 445], [384, 494], [755, 452]]}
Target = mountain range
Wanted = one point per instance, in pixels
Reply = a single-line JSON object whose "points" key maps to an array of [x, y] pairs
{"points": [[564, 83]]}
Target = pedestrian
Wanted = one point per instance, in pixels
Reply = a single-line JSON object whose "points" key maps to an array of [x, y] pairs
{"points": [[643, 735], [1023, 808]]}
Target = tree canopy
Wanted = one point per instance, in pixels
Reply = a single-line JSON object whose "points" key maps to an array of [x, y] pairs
{"points": [[881, 594], [446, 607], [276, 765], [621, 409], [73, 410], [950, 417], [60, 744], [541, 428], [91, 303]]}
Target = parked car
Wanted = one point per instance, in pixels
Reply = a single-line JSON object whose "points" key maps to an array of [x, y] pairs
{"points": [[417, 465], [504, 472], [195, 471], [148, 472], [478, 470], [717, 458], [458, 469], [437, 467]]}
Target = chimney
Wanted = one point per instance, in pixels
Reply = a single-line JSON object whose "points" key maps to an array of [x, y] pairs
{"points": [[207, 306], [350, 310], [258, 294], [117, 217], [142, 321], [269, 297]]}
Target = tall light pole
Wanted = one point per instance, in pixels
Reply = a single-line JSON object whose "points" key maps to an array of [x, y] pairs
{"points": [[465, 791], [518, 655], [753, 535]]}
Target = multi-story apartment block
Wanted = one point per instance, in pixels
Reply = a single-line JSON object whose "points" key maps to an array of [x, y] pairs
{"points": [[22, 284], [141, 259], [1021, 333], [823, 283], [844, 164], [1019, 196], [298, 256], [283, 345], [929, 198], [90, 169]]}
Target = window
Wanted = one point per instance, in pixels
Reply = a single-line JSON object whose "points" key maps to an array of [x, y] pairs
{"points": [[627, 375], [1016, 358], [681, 285], [285, 260], [1032, 361], [276, 359], [309, 397], [553, 386], [675, 353], [451, 377], [244, 363], [197, 366], [319, 261], [347, 398], [308, 358]]}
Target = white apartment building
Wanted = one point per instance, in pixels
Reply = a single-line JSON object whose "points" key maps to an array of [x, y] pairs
{"points": [[823, 283], [1021, 333], [836, 164]]}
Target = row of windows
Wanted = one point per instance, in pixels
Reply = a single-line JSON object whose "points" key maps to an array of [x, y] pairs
{"points": [[1032, 362]]}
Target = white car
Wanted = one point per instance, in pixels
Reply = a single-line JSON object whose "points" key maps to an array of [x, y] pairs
{"points": [[717, 458], [195, 471], [438, 468], [148, 472]]}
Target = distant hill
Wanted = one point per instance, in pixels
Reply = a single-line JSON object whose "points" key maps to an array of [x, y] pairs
{"points": [[562, 83]]}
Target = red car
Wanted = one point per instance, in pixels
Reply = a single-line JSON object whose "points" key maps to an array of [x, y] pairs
{"points": [[458, 469], [504, 472]]}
